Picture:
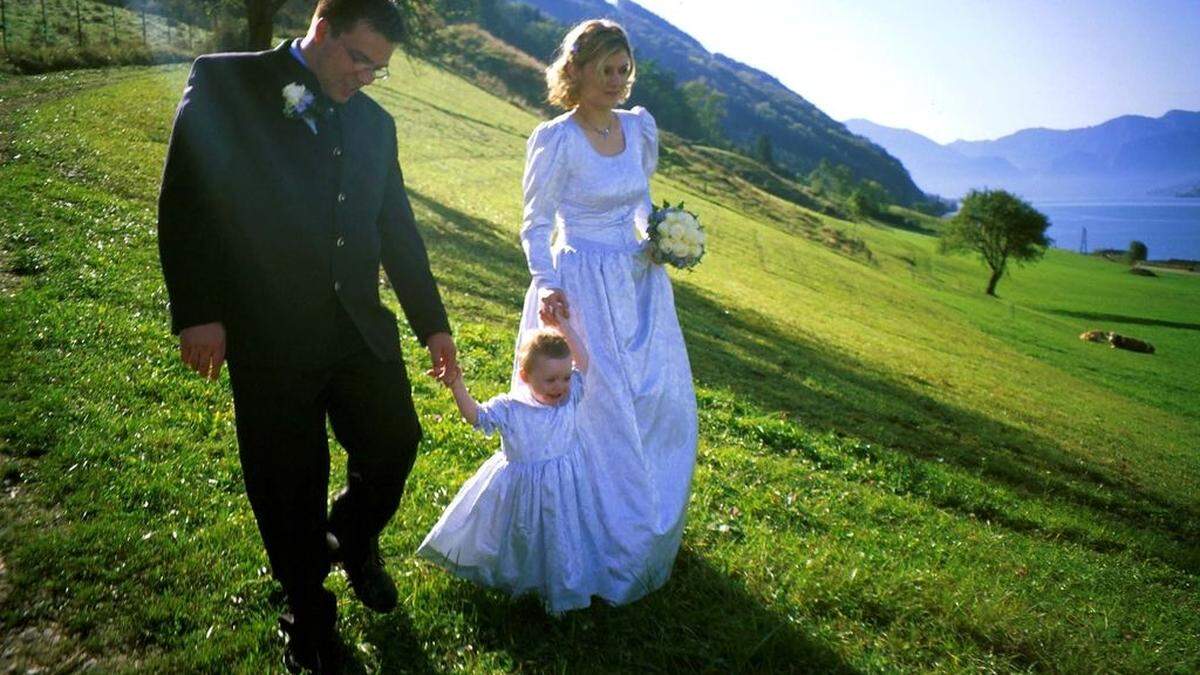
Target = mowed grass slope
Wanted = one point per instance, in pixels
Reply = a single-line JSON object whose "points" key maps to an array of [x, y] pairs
{"points": [[99, 22], [896, 471]]}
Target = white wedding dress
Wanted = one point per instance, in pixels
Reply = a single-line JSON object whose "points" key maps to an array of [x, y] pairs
{"points": [[615, 519]]}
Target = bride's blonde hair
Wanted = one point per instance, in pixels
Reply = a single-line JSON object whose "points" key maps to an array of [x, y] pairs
{"points": [[588, 43]]}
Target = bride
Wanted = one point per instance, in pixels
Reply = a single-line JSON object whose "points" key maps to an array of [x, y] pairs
{"points": [[587, 200]]}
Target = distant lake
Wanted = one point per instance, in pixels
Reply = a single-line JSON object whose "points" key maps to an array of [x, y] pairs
{"points": [[1170, 228]]}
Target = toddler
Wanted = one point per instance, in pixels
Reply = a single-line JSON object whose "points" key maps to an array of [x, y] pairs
{"points": [[524, 523]]}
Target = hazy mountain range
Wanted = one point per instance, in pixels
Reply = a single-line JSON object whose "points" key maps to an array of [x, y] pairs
{"points": [[756, 103], [1127, 157]]}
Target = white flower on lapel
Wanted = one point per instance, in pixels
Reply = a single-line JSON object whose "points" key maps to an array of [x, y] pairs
{"points": [[297, 100]]}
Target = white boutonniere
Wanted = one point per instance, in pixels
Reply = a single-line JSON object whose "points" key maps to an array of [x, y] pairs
{"points": [[297, 104]]}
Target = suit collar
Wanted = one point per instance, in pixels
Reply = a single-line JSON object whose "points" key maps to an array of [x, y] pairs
{"points": [[292, 70]]}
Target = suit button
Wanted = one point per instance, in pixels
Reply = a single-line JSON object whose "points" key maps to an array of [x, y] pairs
{"points": [[337, 285], [341, 197], [341, 242], [337, 152]]}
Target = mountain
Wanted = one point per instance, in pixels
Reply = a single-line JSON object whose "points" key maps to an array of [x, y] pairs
{"points": [[756, 103], [1188, 189], [1126, 157], [936, 168]]}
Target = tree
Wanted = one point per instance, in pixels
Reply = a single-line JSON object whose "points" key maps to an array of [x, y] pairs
{"points": [[1137, 252], [867, 199], [999, 227], [763, 151], [709, 106], [260, 20], [828, 178], [656, 90]]}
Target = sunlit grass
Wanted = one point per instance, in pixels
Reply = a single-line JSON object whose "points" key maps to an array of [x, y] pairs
{"points": [[896, 471]]}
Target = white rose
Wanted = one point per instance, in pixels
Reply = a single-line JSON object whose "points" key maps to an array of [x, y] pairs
{"points": [[697, 249], [293, 94]]}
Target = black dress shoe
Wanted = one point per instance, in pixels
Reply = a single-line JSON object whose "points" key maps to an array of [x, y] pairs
{"points": [[322, 654], [371, 583]]}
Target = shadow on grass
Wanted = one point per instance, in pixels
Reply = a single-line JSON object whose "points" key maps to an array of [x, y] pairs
{"points": [[830, 391], [827, 390], [703, 620], [396, 94], [472, 256], [904, 222], [400, 649], [1119, 318]]}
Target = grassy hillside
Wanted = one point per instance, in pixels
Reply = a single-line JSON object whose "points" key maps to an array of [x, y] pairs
{"points": [[896, 471]]}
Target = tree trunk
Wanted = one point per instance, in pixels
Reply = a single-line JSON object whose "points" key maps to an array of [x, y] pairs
{"points": [[996, 274], [260, 18]]}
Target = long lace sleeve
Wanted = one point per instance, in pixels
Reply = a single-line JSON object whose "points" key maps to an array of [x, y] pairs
{"points": [[545, 175]]}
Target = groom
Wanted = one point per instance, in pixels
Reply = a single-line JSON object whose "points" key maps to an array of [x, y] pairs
{"points": [[281, 196]]}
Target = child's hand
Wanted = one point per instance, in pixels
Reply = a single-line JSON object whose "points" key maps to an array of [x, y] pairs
{"points": [[553, 318], [453, 375]]}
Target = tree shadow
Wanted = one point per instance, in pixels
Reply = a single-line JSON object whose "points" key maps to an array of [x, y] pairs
{"points": [[702, 621], [1120, 318], [829, 391]]}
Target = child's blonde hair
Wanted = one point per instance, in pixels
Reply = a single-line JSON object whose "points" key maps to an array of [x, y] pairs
{"points": [[590, 42], [543, 343]]}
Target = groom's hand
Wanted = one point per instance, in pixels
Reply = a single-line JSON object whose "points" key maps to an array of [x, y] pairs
{"points": [[202, 348], [443, 356]]}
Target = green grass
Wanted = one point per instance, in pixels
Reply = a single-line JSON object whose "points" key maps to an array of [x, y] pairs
{"points": [[101, 22], [97, 35], [896, 471]]}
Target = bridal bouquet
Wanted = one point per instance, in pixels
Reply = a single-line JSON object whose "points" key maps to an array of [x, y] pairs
{"points": [[676, 236]]}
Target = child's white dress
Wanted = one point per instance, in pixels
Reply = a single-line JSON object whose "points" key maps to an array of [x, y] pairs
{"points": [[525, 522]]}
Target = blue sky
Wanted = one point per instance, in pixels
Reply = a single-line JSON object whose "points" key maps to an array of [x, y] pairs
{"points": [[969, 69]]}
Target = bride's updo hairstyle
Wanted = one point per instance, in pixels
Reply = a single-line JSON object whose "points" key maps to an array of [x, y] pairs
{"points": [[586, 45]]}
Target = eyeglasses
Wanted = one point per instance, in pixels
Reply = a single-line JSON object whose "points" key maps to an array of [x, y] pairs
{"points": [[364, 64]]}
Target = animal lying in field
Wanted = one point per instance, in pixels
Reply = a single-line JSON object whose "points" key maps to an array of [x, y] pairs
{"points": [[1118, 341]]}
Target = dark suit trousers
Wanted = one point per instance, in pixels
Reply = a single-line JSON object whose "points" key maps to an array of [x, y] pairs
{"points": [[284, 451]]}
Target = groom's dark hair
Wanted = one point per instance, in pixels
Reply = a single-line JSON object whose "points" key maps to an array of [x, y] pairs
{"points": [[383, 16]]}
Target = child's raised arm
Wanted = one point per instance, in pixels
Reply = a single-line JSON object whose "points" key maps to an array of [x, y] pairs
{"points": [[579, 353], [462, 398]]}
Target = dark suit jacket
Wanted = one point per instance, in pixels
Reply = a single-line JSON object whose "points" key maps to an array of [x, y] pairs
{"points": [[279, 233]]}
